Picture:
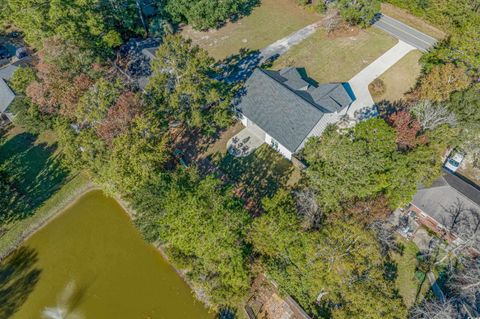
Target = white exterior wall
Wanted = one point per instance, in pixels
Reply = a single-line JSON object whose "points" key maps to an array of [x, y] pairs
{"points": [[243, 119], [281, 149], [268, 139]]}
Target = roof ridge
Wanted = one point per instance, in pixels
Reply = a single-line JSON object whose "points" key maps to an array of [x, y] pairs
{"points": [[294, 92]]}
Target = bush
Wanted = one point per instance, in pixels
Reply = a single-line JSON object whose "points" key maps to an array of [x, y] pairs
{"points": [[420, 275]]}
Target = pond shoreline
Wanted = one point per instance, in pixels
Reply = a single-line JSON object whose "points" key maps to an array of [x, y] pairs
{"points": [[51, 215], [72, 200], [199, 295]]}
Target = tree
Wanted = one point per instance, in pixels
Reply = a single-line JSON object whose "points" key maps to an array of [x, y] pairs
{"points": [[206, 14], [21, 79], [119, 117], [182, 86], [203, 227], [464, 282], [434, 309], [94, 104], [364, 162], [28, 116], [359, 12], [337, 270], [466, 105], [430, 115], [408, 130], [443, 80], [363, 156], [65, 73], [308, 209], [135, 157], [90, 24]]}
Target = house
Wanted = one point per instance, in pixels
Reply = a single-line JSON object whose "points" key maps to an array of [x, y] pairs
{"points": [[284, 110], [6, 93], [6, 98], [450, 207]]}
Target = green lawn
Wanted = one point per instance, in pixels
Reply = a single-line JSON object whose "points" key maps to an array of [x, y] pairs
{"points": [[339, 58], [400, 78], [271, 21], [406, 282], [33, 164]]}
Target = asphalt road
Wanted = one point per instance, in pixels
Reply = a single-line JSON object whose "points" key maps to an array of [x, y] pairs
{"points": [[405, 33]]}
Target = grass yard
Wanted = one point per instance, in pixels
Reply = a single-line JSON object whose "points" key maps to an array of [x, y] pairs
{"points": [[400, 78], [33, 164], [411, 20], [336, 59], [406, 282], [271, 21], [469, 171], [259, 174]]}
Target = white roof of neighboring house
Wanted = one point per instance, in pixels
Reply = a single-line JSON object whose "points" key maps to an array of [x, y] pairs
{"points": [[6, 96]]}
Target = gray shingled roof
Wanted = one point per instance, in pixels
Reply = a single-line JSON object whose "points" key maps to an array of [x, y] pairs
{"points": [[285, 106], [7, 72], [446, 192], [6, 96]]}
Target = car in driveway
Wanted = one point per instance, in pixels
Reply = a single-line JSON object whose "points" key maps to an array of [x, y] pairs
{"points": [[453, 161]]}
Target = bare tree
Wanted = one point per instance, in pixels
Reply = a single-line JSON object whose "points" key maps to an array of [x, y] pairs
{"points": [[431, 115], [308, 209], [385, 235], [434, 309], [465, 282], [331, 21], [463, 222]]}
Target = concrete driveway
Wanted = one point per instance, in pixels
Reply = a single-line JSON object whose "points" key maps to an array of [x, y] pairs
{"points": [[246, 66], [404, 32], [359, 83]]}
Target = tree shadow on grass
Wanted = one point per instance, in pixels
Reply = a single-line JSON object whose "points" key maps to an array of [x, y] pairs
{"points": [[33, 170], [18, 277], [257, 175]]}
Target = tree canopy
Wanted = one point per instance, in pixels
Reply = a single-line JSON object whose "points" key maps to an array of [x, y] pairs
{"points": [[370, 159], [183, 88], [359, 12], [337, 271], [203, 227], [206, 14]]}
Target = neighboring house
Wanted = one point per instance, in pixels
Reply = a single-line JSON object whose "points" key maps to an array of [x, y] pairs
{"points": [[284, 110], [6, 98], [449, 201], [6, 93]]}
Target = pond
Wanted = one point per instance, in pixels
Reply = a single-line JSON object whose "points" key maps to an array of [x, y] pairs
{"points": [[90, 262]]}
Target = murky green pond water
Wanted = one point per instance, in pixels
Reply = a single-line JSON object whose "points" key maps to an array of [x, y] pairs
{"points": [[91, 262]]}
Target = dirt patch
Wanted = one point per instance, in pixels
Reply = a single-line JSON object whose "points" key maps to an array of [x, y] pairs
{"points": [[377, 88], [344, 31]]}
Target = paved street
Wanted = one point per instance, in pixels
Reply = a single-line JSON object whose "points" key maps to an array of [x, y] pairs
{"points": [[405, 33], [359, 83]]}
